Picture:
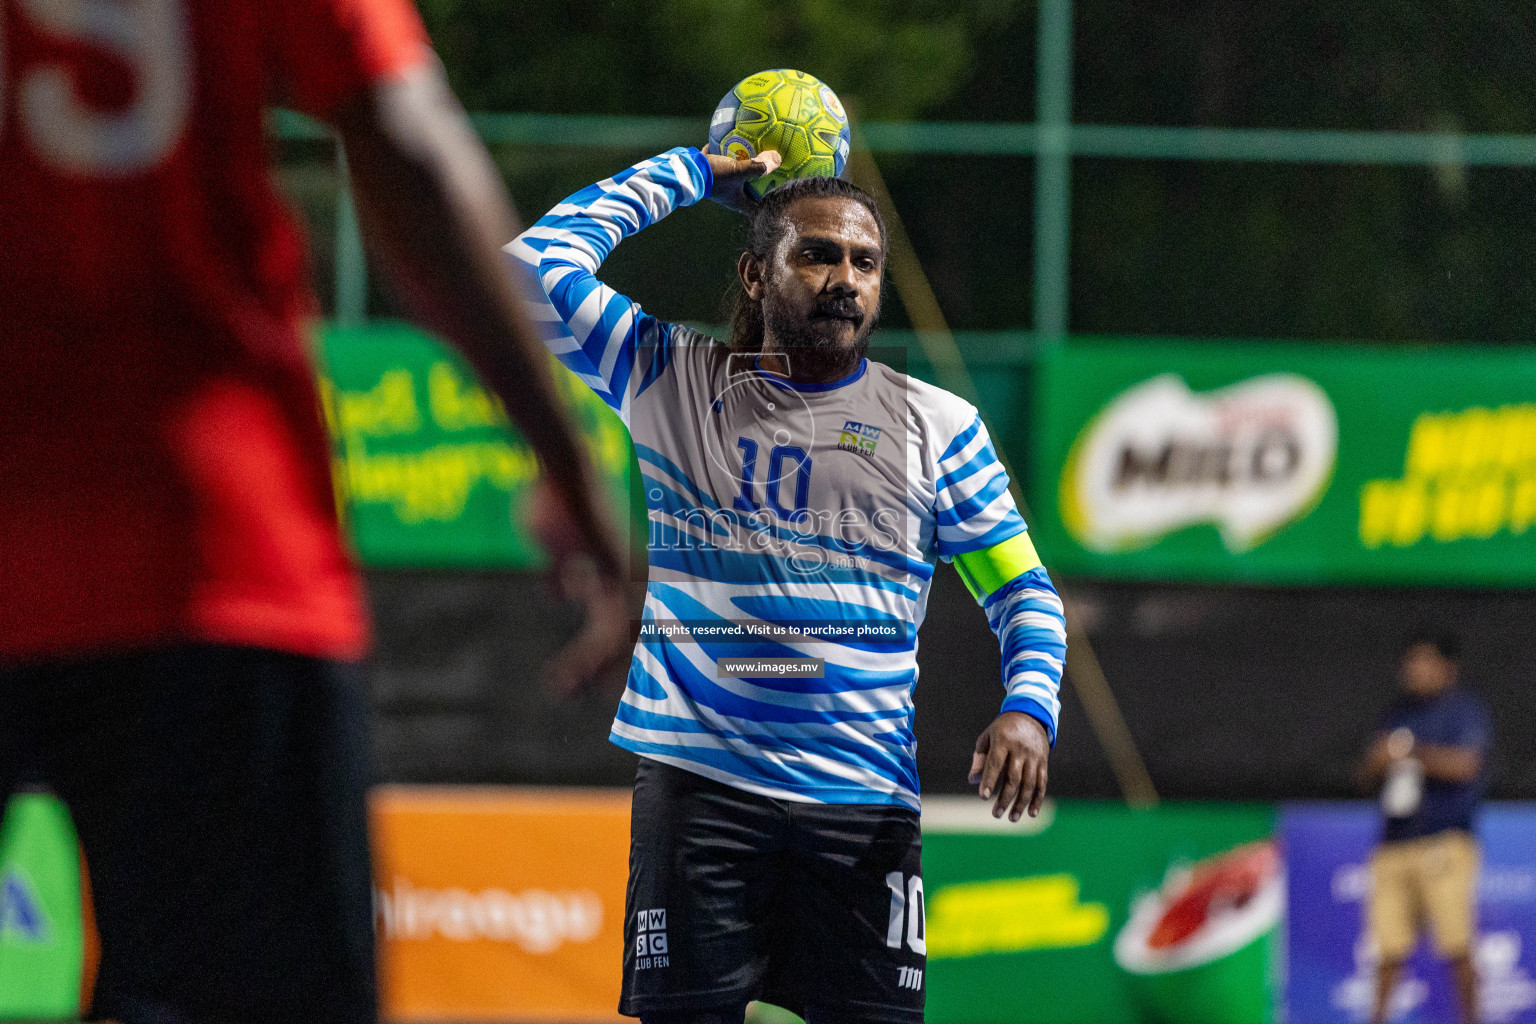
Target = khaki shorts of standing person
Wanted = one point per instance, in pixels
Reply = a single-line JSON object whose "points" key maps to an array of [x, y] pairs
{"points": [[1429, 882]]}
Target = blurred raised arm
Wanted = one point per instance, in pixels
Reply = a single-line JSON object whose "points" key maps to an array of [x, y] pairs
{"points": [[435, 212]]}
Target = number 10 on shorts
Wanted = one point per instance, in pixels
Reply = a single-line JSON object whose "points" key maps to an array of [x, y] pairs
{"points": [[907, 908]]}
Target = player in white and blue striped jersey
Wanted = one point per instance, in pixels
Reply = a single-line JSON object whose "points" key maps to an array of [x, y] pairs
{"points": [[800, 496]]}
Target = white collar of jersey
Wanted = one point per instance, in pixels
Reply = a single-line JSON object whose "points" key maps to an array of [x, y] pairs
{"points": [[831, 385]]}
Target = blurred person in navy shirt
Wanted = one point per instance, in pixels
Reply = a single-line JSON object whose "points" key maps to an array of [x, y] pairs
{"points": [[1428, 764]]}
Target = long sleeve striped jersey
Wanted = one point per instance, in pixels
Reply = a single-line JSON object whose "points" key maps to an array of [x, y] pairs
{"points": [[787, 521]]}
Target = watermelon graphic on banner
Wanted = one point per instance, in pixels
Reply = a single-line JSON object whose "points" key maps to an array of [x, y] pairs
{"points": [[1194, 945]]}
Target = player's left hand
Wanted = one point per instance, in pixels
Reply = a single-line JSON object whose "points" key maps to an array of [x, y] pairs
{"points": [[732, 174], [1010, 764]]}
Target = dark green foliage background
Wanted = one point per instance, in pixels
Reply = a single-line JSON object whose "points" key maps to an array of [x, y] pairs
{"points": [[1245, 250]]}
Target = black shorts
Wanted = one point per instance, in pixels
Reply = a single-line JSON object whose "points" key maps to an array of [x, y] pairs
{"points": [[219, 796], [734, 896]]}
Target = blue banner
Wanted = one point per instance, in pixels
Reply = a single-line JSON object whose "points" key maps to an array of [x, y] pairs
{"points": [[1331, 960]]}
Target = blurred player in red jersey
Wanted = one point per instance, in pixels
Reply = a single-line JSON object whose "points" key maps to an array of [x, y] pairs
{"points": [[179, 619]]}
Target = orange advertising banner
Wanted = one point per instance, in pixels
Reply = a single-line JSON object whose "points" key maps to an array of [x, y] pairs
{"points": [[500, 904]]}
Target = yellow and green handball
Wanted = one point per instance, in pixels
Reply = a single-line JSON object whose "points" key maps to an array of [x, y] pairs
{"points": [[787, 111]]}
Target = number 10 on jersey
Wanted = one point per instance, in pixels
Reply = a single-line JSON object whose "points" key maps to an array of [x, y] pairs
{"points": [[782, 453], [907, 909]]}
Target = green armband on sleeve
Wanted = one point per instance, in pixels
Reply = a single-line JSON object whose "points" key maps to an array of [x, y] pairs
{"points": [[987, 570]]}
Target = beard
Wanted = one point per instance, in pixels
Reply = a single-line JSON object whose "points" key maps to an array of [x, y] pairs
{"points": [[813, 354]]}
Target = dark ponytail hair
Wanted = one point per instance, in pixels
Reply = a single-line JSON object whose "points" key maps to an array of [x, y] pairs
{"points": [[766, 229]]}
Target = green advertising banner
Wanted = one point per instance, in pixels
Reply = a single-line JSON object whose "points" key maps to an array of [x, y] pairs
{"points": [[1091, 913], [42, 938], [1099, 913], [1287, 464], [427, 468]]}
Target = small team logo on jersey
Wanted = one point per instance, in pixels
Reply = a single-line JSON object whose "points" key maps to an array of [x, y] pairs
{"points": [[910, 977], [651, 940], [859, 437]]}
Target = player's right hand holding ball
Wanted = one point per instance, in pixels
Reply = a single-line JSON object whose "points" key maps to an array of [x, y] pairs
{"points": [[732, 174]]}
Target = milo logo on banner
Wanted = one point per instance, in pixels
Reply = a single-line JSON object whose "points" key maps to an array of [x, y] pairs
{"points": [[1249, 459]]}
